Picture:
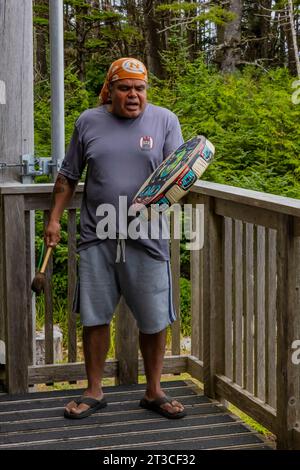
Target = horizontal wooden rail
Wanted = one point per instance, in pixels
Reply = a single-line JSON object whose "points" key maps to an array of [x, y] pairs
{"points": [[251, 215], [245, 301], [253, 406], [272, 202], [76, 371]]}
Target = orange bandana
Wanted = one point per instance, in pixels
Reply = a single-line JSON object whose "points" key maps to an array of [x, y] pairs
{"points": [[120, 69]]}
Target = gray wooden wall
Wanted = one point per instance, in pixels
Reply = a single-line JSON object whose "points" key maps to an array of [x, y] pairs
{"points": [[16, 98]]}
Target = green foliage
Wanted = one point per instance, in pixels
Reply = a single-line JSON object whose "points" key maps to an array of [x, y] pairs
{"points": [[185, 306], [215, 14], [59, 277], [249, 117], [76, 101]]}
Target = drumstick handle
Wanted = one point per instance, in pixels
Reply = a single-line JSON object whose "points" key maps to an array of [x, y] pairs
{"points": [[45, 262]]}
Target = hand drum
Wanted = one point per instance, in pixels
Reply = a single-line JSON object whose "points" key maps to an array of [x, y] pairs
{"points": [[176, 174]]}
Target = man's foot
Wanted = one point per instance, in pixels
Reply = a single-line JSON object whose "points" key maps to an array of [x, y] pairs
{"points": [[85, 405], [164, 405]]}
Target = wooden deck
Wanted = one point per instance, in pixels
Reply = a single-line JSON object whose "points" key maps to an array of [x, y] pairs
{"points": [[35, 421], [245, 301]]}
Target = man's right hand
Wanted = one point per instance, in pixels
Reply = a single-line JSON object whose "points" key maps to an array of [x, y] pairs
{"points": [[52, 233]]}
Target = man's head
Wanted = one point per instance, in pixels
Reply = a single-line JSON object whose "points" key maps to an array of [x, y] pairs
{"points": [[128, 97], [125, 88]]}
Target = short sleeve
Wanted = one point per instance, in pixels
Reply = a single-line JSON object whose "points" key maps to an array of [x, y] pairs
{"points": [[74, 162], [174, 136]]}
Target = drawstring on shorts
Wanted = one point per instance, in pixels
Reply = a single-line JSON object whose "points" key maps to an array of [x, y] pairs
{"points": [[120, 250]]}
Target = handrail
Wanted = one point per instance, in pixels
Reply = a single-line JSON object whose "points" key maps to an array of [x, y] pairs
{"points": [[245, 286], [273, 202]]}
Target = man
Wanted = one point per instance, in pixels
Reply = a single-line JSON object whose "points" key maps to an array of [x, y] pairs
{"points": [[121, 142]]}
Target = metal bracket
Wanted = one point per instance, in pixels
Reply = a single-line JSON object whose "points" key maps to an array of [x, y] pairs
{"points": [[35, 166]]}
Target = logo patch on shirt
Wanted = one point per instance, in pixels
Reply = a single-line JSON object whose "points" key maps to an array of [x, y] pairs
{"points": [[146, 142]]}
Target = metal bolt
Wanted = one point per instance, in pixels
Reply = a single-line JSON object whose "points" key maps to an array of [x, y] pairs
{"points": [[292, 401]]}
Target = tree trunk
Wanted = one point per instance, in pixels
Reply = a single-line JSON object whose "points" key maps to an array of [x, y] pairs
{"points": [[80, 40], [41, 35], [293, 40], [191, 32], [265, 28], [153, 42], [232, 38]]}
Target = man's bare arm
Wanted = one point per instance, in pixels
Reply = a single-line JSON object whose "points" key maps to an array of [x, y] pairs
{"points": [[61, 196]]}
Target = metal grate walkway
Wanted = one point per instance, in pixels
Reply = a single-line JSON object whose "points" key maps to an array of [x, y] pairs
{"points": [[35, 421]]}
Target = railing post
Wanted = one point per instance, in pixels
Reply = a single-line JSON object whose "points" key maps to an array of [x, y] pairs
{"points": [[72, 273], [196, 302], [126, 346], [213, 298], [15, 295], [175, 268], [196, 270], [288, 330]]}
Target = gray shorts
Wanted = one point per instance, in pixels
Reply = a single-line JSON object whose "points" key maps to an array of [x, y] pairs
{"points": [[113, 268]]}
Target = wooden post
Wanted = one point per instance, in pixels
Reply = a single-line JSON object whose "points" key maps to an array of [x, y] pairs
{"points": [[72, 265], [196, 302], [196, 270], [288, 330], [48, 296], [30, 272], [175, 266], [213, 299], [126, 346], [15, 295], [16, 77], [16, 112], [2, 325]]}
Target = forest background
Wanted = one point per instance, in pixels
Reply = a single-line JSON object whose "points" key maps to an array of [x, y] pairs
{"points": [[229, 69]]}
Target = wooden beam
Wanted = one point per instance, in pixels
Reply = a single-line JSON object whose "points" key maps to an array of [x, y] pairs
{"points": [[16, 291], [66, 372], [72, 278], [32, 189], [196, 263], [2, 277], [126, 345], [16, 65], [288, 330], [175, 270], [43, 201], [76, 371], [246, 402], [213, 299], [272, 202], [247, 213], [195, 367]]}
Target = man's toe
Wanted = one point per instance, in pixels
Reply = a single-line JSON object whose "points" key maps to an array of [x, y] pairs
{"points": [[70, 407], [177, 406]]}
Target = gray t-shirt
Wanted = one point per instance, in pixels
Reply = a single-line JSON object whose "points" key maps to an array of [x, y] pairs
{"points": [[120, 154]]}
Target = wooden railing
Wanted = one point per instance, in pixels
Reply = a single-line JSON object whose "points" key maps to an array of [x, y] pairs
{"points": [[246, 305], [18, 203], [245, 308]]}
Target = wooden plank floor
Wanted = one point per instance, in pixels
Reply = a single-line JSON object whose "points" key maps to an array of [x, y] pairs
{"points": [[35, 421]]}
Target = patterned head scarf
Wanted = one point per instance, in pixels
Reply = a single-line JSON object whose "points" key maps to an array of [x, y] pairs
{"points": [[127, 67]]}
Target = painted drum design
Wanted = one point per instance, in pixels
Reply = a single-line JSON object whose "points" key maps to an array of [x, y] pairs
{"points": [[176, 174]]}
